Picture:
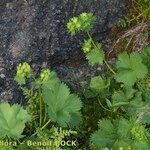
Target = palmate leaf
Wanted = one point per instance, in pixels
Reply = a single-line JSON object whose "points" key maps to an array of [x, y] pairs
{"points": [[95, 56], [124, 127], [12, 120], [98, 84], [135, 105], [130, 68], [122, 97], [129, 100], [105, 136], [63, 107]]}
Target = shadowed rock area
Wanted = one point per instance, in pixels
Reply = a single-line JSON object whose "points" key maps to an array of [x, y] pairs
{"points": [[35, 32]]}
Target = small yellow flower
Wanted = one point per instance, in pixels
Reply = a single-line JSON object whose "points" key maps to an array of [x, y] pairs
{"points": [[45, 74], [87, 46]]}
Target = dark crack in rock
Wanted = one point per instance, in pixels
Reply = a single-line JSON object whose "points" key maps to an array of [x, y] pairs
{"points": [[35, 31]]}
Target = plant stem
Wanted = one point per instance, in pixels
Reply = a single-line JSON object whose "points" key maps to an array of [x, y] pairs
{"points": [[109, 67], [98, 48], [45, 115], [42, 127], [89, 35], [102, 105], [40, 109]]}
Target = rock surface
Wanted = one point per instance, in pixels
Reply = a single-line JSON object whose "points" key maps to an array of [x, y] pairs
{"points": [[35, 32]]}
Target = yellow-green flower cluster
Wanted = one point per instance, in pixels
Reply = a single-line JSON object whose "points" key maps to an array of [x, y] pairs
{"points": [[87, 46], [84, 22], [45, 75], [74, 25], [138, 133], [23, 72]]}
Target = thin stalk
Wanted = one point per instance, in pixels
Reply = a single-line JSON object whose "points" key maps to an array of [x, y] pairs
{"points": [[109, 67], [42, 127], [45, 114], [40, 110], [103, 106], [92, 40]]}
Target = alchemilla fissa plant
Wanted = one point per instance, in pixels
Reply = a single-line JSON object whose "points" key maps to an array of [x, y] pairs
{"points": [[120, 96], [123, 94], [51, 108]]}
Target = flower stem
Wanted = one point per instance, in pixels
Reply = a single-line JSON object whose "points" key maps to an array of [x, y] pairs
{"points": [[45, 114], [103, 106], [40, 110], [109, 67], [89, 35]]}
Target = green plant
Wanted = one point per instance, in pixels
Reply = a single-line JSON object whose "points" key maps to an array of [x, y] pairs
{"points": [[118, 97], [129, 68], [12, 121], [23, 72], [53, 98], [50, 106], [122, 92], [84, 22], [121, 134]]}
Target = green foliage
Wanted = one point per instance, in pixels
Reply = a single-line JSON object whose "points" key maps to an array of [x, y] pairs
{"points": [[63, 107], [32, 98], [50, 105], [12, 120], [127, 105], [50, 82], [98, 84], [95, 56], [93, 51], [122, 93], [121, 133], [118, 97], [105, 136], [130, 68]]}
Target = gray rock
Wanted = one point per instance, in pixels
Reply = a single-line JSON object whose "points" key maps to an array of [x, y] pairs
{"points": [[35, 31]]}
